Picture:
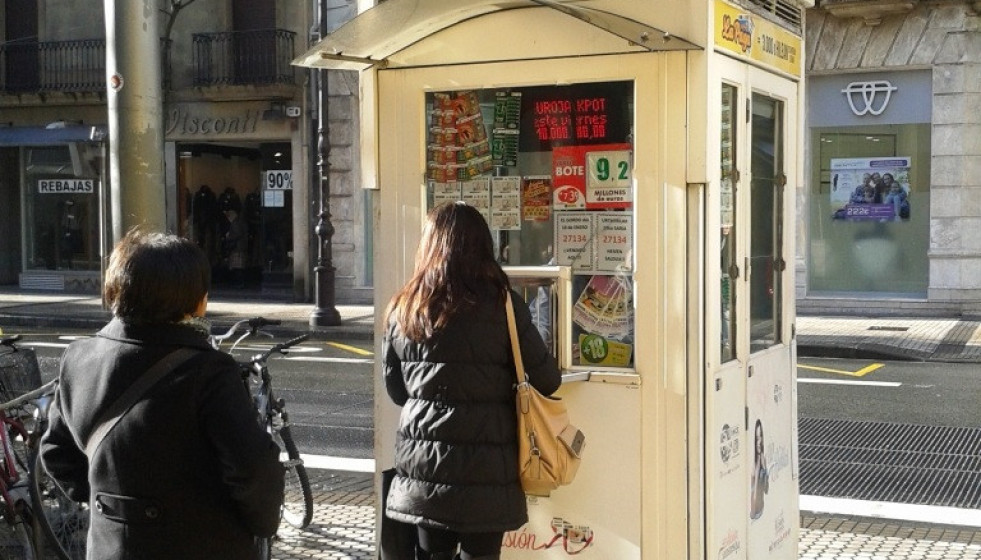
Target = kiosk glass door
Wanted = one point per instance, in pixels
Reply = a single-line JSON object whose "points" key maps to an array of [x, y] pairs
{"points": [[550, 169]]}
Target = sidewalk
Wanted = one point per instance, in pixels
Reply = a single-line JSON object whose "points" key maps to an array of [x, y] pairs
{"points": [[345, 512]]}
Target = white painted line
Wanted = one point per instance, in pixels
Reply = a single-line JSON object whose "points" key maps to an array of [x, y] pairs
{"points": [[848, 382], [327, 462], [889, 510], [45, 344], [264, 347], [327, 359]]}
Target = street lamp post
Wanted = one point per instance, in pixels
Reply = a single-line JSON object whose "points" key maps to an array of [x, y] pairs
{"points": [[324, 313]]}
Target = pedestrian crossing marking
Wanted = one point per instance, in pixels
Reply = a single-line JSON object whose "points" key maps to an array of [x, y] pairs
{"points": [[860, 373], [352, 349]]}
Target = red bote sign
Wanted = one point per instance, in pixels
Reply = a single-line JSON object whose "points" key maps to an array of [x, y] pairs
{"points": [[576, 185]]}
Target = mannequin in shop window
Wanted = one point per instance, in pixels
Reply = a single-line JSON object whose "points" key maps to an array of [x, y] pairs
{"points": [[204, 212], [71, 234], [234, 246]]}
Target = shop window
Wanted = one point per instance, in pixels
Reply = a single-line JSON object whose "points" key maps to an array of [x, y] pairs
{"points": [[61, 207], [869, 211], [550, 168]]}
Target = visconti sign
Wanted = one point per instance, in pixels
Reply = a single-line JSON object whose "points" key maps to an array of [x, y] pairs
{"points": [[56, 186], [757, 39]]}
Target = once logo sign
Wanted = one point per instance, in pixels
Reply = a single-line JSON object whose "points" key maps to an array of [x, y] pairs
{"points": [[869, 100]]}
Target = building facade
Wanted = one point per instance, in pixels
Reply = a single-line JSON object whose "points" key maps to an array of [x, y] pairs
{"points": [[240, 143], [891, 201]]}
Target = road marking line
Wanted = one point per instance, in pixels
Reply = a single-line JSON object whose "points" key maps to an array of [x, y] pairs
{"points": [[860, 373], [890, 510], [329, 359], [46, 344], [847, 382], [328, 462], [352, 349]]}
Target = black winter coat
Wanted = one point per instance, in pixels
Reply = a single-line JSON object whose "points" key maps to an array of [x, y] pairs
{"points": [[191, 448], [456, 451]]}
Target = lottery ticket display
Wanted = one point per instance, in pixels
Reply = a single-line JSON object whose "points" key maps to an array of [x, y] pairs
{"points": [[551, 170]]}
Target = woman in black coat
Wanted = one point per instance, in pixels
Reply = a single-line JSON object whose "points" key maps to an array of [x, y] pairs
{"points": [[187, 472], [448, 363]]}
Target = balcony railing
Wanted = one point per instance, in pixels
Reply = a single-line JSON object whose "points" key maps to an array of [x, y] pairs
{"points": [[243, 57], [60, 66], [45, 66]]}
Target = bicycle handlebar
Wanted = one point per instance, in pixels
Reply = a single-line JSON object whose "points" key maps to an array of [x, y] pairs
{"points": [[47, 388], [254, 325], [9, 339], [280, 348]]}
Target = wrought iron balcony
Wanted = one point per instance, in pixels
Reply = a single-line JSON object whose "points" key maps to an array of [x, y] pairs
{"points": [[59, 66], [243, 57]]}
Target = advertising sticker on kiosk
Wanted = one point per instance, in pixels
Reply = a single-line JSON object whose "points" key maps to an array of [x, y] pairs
{"points": [[550, 168]]}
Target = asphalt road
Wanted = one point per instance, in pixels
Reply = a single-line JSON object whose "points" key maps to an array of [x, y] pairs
{"points": [[327, 387], [923, 393]]}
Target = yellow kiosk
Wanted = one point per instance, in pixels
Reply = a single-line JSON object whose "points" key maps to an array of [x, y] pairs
{"points": [[636, 162]]}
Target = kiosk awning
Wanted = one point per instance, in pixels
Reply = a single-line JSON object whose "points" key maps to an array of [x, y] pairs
{"points": [[373, 36]]}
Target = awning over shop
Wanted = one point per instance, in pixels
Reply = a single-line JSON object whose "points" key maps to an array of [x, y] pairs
{"points": [[375, 35], [50, 135]]}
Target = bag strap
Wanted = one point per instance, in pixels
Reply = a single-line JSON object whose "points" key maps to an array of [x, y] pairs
{"points": [[132, 395], [519, 366]]}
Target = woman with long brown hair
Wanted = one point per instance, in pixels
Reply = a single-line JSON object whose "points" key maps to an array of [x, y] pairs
{"points": [[448, 363]]}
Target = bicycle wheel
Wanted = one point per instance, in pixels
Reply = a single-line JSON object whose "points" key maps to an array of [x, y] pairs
{"points": [[298, 499], [64, 522]]}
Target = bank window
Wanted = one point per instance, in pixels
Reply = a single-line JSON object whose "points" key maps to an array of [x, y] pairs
{"points": [[61, 207], [869, 210], [766, 232], [551, 170]]}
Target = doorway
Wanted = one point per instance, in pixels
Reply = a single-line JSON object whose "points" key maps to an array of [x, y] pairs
{"points": [[236, 203]]}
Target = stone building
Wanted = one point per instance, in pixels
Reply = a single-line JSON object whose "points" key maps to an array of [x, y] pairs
{"points": [[240, 133], [893, 89]]}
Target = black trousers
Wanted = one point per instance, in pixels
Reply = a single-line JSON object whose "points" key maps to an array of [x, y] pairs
{"points": [[472, 545]]}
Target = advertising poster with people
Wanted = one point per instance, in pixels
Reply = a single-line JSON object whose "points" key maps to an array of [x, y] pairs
{"points": [[875, 189]]}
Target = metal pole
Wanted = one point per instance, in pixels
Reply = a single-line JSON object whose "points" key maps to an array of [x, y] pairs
{"points": [[135, 106], [324, 312]]}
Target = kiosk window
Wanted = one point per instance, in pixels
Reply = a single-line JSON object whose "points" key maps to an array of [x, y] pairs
{"points": [[727, 241], [766, 235], [550, 169]]}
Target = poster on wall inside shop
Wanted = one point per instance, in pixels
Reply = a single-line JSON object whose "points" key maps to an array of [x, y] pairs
{"points": [[614, 238], [605, 306], [536, 198], [505, 208], [445, 192], [457, 147], [594, 177], [574, 240], [875, 189], [477, 193]]}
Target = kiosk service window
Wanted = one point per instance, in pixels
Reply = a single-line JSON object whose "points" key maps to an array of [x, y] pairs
{"points": [[550, 168]]}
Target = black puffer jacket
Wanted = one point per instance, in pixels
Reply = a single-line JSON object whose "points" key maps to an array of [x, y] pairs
{"points": [[456, 452]]}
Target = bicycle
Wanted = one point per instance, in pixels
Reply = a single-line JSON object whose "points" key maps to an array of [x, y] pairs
{"points": [[298, 501], [50, 514], [19, 372]]}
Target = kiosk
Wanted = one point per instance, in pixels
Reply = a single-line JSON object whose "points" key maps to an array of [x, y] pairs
{"points": [[635, 161]]}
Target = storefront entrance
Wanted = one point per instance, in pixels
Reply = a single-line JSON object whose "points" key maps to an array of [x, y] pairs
{"points": [[236, 202]]}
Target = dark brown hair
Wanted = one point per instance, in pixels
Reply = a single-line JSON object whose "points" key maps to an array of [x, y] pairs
{"points": [[155, 278], [454, 264]]}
